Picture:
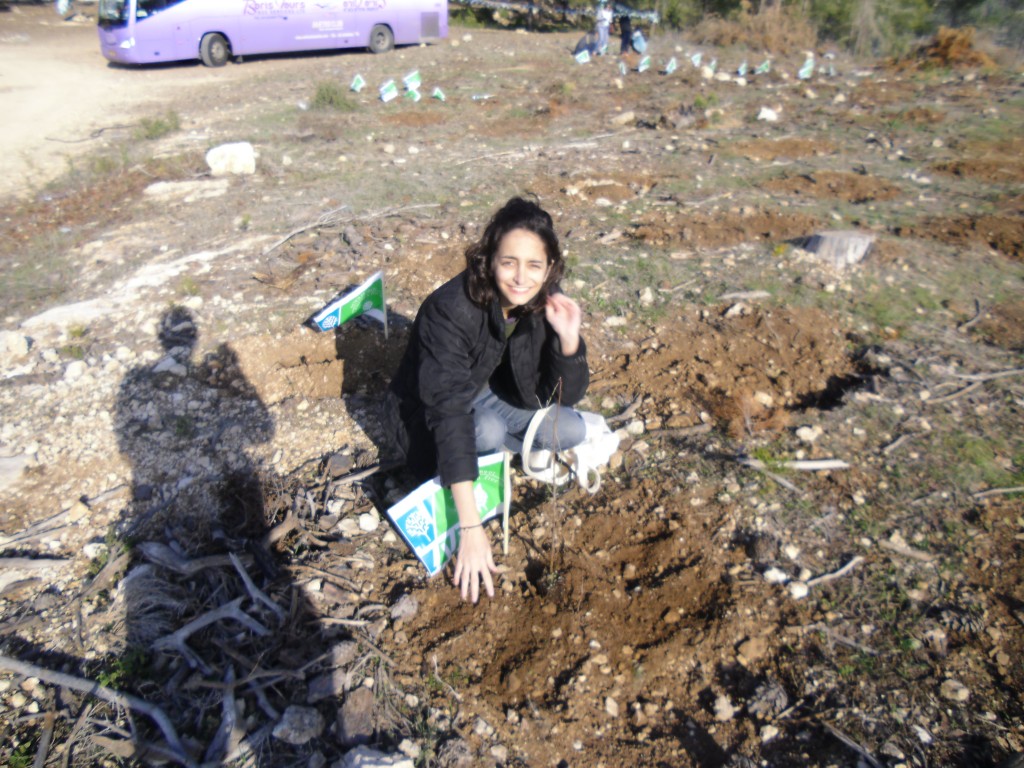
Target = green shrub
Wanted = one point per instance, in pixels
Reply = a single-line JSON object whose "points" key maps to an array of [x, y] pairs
{"points": [[330, 95]]}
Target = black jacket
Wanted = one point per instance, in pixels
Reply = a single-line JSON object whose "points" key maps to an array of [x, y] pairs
{"points": [[455, 349]]}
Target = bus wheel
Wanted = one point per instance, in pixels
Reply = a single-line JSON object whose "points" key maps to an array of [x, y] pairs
{"points": [[213, 50], [381, 39]]}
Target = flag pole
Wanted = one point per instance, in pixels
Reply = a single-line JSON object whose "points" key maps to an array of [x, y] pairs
{"points": [[506, 500]]}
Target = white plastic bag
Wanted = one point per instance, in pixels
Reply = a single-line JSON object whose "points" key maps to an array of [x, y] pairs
{"points": [[584, 460]]}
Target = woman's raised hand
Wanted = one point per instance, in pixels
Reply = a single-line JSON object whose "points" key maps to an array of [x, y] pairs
{"points": [[565, 317]]}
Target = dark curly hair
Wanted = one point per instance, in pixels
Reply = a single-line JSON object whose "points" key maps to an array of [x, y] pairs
{"points": [[517, 213]]}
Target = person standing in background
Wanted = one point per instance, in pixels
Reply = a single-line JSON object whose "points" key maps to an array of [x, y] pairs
{"points": [[604, 22], [625, 33]]}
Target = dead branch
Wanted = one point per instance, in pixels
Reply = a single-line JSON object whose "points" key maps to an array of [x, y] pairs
{"points": [[699, 429], [805, 465], [437, 675], [73, 737], [328, 217], [92, 688], [997, 492], [898, 442], [964, 327], [35, 531], [282, 529], [988, 376], [255, 592], [44, 740], [958, 393], [744, 295], [31, 563], [249, 745], [913, 554], [176, 640], [226, 739], [162, 555], [630, 410], [836, 637], [868, 757], [836, 574]]}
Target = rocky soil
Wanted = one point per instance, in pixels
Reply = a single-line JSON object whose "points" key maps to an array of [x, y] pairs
{"points": [[189, 517]]}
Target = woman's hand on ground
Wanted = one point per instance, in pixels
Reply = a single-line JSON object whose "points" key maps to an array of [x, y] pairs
{"points": [[474, 564], [565, 318]]}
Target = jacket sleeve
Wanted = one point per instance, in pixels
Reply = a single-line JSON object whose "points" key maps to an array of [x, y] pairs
{"points": [[446, 390], [569, 371]]}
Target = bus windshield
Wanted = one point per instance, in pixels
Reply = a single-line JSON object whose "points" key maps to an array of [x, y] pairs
{"points": [[112, 13]]}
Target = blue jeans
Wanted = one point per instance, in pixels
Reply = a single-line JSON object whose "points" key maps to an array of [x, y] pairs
{"points": [[500, 425]]}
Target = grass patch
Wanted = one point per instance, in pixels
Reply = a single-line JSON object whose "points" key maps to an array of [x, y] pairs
{"points": [[152, 128], [330, 95]]}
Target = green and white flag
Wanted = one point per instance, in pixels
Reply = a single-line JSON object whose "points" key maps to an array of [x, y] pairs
{"points": [[695, 59], [357, 83], [622, 68], [644, 65], [412, 95], [388, 91], [583, 56], [429, 522], [764, 67], [412, 81], [671, 66], [367, 299], [438, 94]]}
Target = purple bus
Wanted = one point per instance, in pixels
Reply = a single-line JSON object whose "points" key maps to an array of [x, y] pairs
{"points": [[152, 31]]}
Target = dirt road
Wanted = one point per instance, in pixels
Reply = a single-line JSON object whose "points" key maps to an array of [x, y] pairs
{"points": [[59, 97]]}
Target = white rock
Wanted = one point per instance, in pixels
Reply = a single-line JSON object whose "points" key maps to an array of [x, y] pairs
{"points": [[768, 732], [368, 522], [13, 347], [724, 709], [75, 370], [798, 590], [647, 296], [768, 115], [367, 757], [809, 434], [615, 322], [238, 158], [611, 706], [299, 725], [776, 576]]}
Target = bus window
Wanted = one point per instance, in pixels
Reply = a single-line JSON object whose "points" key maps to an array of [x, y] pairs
{"points": [[112, 13], [151, 7]]}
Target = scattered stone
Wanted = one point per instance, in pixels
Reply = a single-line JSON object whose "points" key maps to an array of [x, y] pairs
{"points": [[11, 468], [840, 249], [13, 347], [724, 709], [611, 706], [367, 757], [954, 690], [798, 590], [327, 686], [625, 118], [355, 718], [808, 434], [369, 522], [404, 608], [456, 753], [752, 648], [768, 115], [768, 732], [299, 725], [769, 699], [776, 576]]}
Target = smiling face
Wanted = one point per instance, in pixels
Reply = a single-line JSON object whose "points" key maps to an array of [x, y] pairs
{"points": [[520, 266]]}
